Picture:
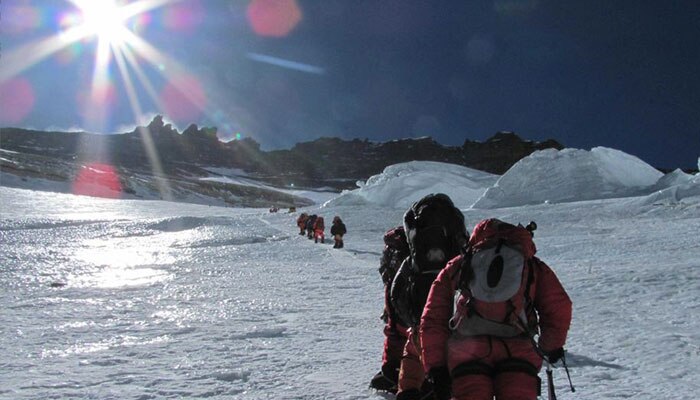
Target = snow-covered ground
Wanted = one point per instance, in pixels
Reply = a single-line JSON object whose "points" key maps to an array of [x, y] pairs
{"points": [[130, 299]]}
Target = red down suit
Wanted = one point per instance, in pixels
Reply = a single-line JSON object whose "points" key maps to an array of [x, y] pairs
{"points": [[485, 366]]}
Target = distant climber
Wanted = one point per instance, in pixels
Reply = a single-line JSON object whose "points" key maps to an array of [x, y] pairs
{"points": [[338, 230], [310, 226], [301, 223]]}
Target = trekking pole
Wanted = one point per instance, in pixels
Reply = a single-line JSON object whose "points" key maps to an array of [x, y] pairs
{"points": [[566, 368], [550, 382]]}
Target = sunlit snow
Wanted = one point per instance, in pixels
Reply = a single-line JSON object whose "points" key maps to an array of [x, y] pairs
{"points": [[134, 299]]}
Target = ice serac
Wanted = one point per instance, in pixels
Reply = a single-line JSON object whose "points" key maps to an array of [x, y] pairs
{"points": [[570, 175], [673, 187], [400, 185], [674, 178]]}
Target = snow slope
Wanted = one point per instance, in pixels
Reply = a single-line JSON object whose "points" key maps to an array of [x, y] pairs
{"points": [[130, 299], [400, 185], [225, 187], [570, 175]]}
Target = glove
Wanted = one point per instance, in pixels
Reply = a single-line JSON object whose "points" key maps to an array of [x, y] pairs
{"points": [[442, 382], [555, 355], [385, 316], [409, 394]]}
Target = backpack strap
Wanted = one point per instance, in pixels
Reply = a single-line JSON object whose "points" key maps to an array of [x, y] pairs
{"points": [[465, 271], [500, 244], [530, 279], [529, 303], [474, 367], [515, 365]]}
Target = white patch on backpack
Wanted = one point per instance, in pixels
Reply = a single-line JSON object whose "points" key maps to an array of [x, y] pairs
{"points": [[497, 276]]}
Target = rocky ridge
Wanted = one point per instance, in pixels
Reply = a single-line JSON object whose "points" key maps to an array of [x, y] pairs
{"points": [[159, 149]]}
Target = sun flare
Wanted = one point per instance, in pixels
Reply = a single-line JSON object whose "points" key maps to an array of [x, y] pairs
{"points": [[114, 27], [104, 19]]}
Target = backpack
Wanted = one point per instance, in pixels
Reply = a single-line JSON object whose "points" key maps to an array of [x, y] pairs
{"points": [[497, 274], [310, 221], [395, 251], [319, 224], [435, 233], [338, 227]]}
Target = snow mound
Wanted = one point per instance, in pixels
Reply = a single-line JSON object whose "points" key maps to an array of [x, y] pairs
{"points": [[570, 175], [400, 185]]}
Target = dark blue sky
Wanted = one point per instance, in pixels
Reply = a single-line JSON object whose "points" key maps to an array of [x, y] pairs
{"points": [[621, 74]]}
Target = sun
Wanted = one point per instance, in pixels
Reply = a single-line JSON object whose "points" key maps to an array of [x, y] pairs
{"points": [[113, 25], [104, 19]]}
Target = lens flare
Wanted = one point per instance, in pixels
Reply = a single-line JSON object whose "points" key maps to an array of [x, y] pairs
{"points": [[16, 100], [104, 94], [68, 20], [97, 99], [183, 98], [98, 180], [184, 17], [20, 19], [69, 53], [139, 22], [275, 18]]}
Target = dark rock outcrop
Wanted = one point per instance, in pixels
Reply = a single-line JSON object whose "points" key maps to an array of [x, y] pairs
{"points": [[331, 162]]}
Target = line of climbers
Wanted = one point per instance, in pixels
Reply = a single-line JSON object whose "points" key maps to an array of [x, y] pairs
{"points": [[274, 209], [313, 227], [467, 317]]}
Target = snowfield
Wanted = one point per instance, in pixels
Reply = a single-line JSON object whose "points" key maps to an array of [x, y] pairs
{"points": [[133, 299]]}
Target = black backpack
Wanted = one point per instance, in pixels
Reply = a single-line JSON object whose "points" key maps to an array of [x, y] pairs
{"points": [[311, 221], [395, 251], [436, 234]]}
